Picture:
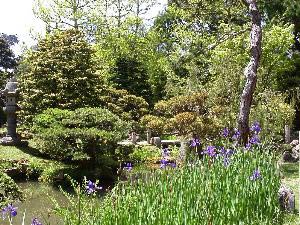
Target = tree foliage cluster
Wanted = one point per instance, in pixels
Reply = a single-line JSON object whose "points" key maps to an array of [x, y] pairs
{"points": [[114, 58]]}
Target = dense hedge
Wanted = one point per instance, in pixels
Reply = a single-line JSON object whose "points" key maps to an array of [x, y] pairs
{"points": [[82, 134]]}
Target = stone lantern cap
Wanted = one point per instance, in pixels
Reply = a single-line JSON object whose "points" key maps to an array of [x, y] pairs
{"points": [[11, 87]]}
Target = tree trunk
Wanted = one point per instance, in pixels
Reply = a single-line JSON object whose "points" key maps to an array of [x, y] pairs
{"points": [[251, 70]]}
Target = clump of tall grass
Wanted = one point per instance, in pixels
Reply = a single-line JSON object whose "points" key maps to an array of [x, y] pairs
{"points": [[235, 188]]}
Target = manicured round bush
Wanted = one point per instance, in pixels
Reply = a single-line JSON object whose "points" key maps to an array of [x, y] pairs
{"points": [[82, 134]]}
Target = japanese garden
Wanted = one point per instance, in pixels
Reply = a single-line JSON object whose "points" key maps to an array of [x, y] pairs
{"points": [[131, 112]]}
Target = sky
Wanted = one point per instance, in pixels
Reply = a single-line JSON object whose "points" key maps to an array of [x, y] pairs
{"points": [[16, 17]]}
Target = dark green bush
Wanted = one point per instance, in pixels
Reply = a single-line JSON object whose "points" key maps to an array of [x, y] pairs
{"points": [[82, 134]]}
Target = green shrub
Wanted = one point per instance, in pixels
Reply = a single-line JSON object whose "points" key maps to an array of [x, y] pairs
{"points": [[145, 154], [273, 114], [186, 115], [154, 123], [194, 102], [9, 190], [129, 107], [82, 134]]}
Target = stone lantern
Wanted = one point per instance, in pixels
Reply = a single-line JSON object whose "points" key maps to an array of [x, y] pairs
{"points": [[11, 93]]}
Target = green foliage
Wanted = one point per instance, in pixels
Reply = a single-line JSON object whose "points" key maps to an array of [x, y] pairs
{"points": [[63, 14], [273, 114], [128, 107], [228, 61], [154, 123], [9, 190], [185, 115], [184, 103], [8, 60], [145, 154], [131, 75], [60, 73], [82, 134]]}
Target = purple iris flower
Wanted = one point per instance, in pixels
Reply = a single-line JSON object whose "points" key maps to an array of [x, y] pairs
{"points": [[35, 221], [222, 151], [210, 151], [254, 140], [165, 163], [165, 152], [92, 187], [172, 164], [128, 166], [226, 161], [255, 127], [195, 142], [226, 152], [248, 146], [256, 175], [10, 209], [225, 132], [236, 134]]}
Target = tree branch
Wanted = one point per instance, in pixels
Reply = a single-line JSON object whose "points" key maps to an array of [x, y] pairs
{"points": [[227, 37]]}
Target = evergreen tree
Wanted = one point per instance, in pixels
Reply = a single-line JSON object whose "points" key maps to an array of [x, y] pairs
{"points": [[59, 74]]}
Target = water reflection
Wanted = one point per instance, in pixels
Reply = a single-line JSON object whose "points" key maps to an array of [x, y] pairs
{"points": [[37, 204]]}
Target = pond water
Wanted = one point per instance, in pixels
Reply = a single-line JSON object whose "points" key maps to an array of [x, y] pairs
{"points": [[37, 204]]}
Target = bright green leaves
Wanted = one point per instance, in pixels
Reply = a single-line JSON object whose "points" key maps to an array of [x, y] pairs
{"points": [[60, 73]]}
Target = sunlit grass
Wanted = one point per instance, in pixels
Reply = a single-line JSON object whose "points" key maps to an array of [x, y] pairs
{"points": [[291, 179]]}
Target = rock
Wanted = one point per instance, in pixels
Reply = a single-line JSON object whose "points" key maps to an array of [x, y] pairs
{"points": [[286, 199], [297, 148], [294, 143], [287, 156], [296, 153], [157, 141]]}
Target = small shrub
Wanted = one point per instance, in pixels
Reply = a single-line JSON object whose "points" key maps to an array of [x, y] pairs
{"points": [[195, 102], [145, 154], [154, 123], [127, 106], [9, 190]]}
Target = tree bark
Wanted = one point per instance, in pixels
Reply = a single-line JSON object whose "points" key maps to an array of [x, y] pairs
{"points": [[251, 70]]}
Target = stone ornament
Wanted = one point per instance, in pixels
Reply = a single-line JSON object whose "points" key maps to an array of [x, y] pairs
{"points": [[286, 199], [11, 93]]}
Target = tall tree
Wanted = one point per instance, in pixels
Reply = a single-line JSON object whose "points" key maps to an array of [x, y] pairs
{"points": [[251, 69], [64, 14], [8, 60], [60, 73]]}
